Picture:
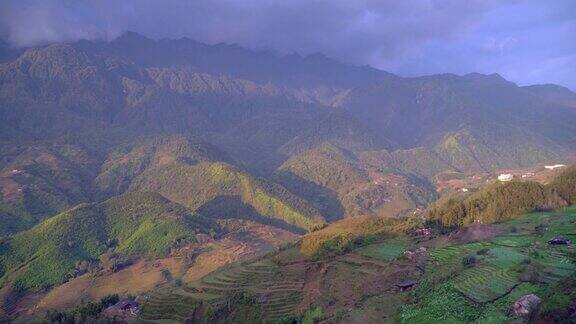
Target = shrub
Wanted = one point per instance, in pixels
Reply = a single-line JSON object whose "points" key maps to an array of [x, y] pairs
{"points": [[288, 320], [109, 300], [483, 251], [338, 244], [86, 312], [469, 260], [312, 315], [540, 229], [18, 286], [109, 262], [243, 307], [526, 261], [535, 254]]}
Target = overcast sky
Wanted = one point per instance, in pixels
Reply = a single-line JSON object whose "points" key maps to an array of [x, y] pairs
{"points": [[527, 41]]}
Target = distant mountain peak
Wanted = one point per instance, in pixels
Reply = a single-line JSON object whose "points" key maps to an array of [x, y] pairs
{"points": [[317, 57], [550, 87], [493, 77], [133, 36], [554, 94]]}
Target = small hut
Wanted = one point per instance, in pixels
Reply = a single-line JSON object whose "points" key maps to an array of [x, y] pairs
{"points": [[406, 284], [504, 177], [422, 232], [527, 306], [559, 240], [124, 308]]}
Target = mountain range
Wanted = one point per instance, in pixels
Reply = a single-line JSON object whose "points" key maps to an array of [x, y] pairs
{"points": [[87, 120], [154, 141]]}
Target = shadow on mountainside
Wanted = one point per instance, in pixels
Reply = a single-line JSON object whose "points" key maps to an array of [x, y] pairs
{"points": [[326, 200], [234, 207]]}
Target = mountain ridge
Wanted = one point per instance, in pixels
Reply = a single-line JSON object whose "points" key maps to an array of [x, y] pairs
{"points": [[263, 109]]}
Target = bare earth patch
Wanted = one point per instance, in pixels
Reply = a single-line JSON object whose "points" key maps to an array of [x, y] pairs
{"points": [[145, 275], [135, 279], [475, 233]]}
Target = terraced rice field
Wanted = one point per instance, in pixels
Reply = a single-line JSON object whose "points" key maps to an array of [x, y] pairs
{"points": [[365, 264], [505, 257], [497, 272], [383, 251], [451, 253], [166, 305], [514, 240], [455, 290], [445, 254], [484, 284], [557, 267], [277, 293]]}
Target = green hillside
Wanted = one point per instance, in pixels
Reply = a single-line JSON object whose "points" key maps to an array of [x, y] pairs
{"points": [[324, 176], [474, 122], [124, 164], [484, 149], [565, 185], [504, 201], [423, 161], [42, 180], [338, 128], [223, 191], [341, 184], [137, 223]]}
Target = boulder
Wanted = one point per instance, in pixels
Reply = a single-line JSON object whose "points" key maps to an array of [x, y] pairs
{"points": [[527, 306]]}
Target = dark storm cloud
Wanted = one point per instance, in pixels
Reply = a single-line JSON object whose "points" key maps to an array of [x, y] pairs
{"points": [[528, 41], [355, 30]]}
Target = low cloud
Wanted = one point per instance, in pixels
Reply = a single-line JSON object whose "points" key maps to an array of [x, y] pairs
{"points": [[408, 37]]}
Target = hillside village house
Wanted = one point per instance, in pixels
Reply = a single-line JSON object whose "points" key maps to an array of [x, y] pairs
{"points": [[505, 177], [123, 309], [555, 166]]}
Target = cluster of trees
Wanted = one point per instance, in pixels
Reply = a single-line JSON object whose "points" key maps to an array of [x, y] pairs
{"points": [[503, 201], [349, 233], [87, 312], [565, 185]]}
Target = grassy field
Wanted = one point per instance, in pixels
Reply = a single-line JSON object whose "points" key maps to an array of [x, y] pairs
{"points": [[388, 251], [133, 280]]}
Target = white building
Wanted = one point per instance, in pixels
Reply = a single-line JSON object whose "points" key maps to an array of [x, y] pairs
{"points": [[555, 166], [505, 177]]}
